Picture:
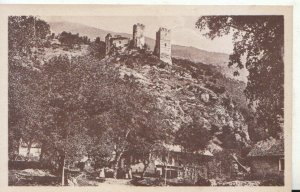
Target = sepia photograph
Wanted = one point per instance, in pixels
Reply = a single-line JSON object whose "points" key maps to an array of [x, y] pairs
{"points": [[146, 100]]}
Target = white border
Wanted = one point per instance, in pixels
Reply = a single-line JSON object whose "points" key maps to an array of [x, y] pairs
{"points": [[296, 48]]}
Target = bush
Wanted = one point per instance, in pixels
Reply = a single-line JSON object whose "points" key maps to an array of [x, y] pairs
{"points": [[146, 182], [20, 165], [162, 65], [203, 182]]}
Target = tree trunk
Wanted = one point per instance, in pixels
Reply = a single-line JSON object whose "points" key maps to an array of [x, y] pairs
{"points": [[62, 169], [42, 152], [144, 170], [118, 157], [146, 163], [117, 163], [63, 174], [29, 144]]}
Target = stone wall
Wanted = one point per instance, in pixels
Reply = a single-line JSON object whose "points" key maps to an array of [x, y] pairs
{"points": [[138, 36], [107, 43], [120, 42], [264, 167], [163, 45]]}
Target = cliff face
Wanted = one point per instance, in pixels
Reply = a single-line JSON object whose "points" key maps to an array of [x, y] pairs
{"points": [[186, 89]]}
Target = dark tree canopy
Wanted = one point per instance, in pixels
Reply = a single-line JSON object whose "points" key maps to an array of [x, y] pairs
{"points": [[260, 40], [69, 39], [193, 136], [25, 32]]}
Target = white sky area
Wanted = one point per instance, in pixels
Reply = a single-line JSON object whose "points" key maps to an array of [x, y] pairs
{"points": [[183, 29]]}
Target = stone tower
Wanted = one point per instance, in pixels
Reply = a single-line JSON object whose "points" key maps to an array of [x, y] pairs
{"points": [[163, 45], [107, 43], [138, 36]]}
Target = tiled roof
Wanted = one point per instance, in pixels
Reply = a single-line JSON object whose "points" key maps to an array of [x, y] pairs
{"points": [[270, 147]]}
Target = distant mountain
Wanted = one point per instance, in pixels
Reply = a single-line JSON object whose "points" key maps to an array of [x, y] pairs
{"points": [[178, 51], [83, 30]]}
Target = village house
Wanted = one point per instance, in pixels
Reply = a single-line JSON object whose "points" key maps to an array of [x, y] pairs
{"points": [[267, 158], [172, 164]]}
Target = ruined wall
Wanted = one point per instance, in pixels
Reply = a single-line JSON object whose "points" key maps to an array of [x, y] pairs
{"points": [[117, 42], [120, 42], [107, 43], [262, 167], [163, 45], [138, 36]]}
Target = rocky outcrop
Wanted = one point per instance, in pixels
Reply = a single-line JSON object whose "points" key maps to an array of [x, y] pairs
{"points": [[182, 93]]}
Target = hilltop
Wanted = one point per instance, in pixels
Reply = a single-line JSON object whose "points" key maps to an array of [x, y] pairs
{"points": [[219, 60]]}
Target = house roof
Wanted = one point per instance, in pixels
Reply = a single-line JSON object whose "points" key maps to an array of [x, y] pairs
{"points": [[269, 147], [178, 148]]}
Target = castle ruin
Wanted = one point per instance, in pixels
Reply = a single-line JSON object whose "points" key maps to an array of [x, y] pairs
{"points": [[138, 36], [163, 45], [118, 42]]}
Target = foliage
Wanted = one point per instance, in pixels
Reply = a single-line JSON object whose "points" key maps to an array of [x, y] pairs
{"points": [[260, 40], [25, 106], [193, 136], [97, 48], [25, 32], [25, 111], [148, 140], [69, 39]]}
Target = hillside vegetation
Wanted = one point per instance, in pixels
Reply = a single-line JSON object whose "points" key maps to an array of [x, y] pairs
{"points": [[190, 92]]}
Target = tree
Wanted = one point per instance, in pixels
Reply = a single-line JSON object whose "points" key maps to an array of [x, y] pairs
{"points": [[149, 139], [64, 129], [126, 114], [121, 116], [25, 111], [260, 39], [193, 136], [97, 48], [25, 107], [25, 32], [97, 40]]}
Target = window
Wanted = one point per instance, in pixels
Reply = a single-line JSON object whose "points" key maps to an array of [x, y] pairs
{"points": [[165, 44], [281, 164]]}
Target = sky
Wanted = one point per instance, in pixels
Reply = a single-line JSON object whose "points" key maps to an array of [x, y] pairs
{"points": [[183, 29]]}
